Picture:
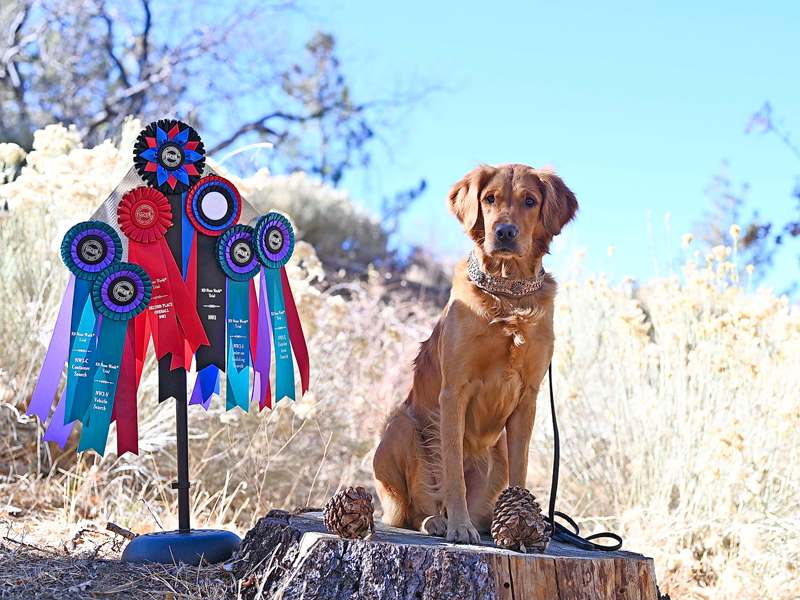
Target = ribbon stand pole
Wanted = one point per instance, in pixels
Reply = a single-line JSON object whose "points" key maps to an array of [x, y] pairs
{"points": [[186, 545], [182, 485]]}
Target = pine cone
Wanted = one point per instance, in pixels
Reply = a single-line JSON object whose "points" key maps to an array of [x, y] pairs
{"points": [[518, 522], [349, 513]]}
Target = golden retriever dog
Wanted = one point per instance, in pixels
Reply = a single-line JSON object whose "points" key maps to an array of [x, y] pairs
{"points": [[462, 435]]}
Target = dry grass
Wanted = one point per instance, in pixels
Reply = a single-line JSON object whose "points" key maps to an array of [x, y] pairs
{"points": [[678, 404], [51, 560]]}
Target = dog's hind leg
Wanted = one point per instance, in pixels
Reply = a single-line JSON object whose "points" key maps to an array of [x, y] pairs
{"points": [[403, 477]]}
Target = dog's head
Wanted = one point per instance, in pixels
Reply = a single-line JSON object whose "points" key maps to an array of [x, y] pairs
{"points": [[512, 211]]}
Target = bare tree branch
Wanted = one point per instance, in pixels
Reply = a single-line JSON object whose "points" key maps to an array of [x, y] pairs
{"points": [[261, 127], [85, 63], [110, 47]]}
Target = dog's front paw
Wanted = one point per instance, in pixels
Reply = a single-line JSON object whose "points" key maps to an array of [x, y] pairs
{"points": [[462, 533], [436, 525]]}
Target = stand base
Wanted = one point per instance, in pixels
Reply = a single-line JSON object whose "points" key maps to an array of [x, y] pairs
{"points": [[172, 547]]}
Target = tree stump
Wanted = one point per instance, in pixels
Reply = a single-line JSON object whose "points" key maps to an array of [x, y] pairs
{"points": [[294, 557]]}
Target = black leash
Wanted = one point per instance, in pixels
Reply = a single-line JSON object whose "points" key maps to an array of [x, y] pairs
{"points": [[562, 534]]}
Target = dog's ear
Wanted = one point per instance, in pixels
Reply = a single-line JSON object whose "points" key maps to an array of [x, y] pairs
{"points": [[464, 199], [558, 202]]}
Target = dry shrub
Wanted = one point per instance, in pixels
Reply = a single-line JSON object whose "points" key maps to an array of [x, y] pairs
{"points": [[680, 415], [345, 236]]}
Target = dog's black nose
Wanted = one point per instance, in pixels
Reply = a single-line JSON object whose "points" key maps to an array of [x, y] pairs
{"points": [[505, 232]]}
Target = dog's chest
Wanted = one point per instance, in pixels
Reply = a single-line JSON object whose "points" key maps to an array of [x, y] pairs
{"points": [[510, 373]]}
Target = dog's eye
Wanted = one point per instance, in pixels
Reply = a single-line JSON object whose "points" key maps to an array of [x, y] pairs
{"points": [[530, 202], [490, 198]]}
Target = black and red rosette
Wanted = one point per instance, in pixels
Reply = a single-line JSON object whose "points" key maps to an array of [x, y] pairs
{"points": [[169, 156], [274, 240], [144, 214], [213, 205], [122, 291], [236, 254], [90, 247]]}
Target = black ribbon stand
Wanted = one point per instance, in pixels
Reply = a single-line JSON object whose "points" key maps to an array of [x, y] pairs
{"points": [[186, 545]]}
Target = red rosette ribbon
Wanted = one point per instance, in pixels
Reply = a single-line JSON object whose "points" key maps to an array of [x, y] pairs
{"points": [[144, 215]]}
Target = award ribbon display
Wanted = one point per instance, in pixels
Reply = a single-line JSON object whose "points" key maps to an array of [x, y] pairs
{"points": [[274, 242], [190, 284], [144, 214]]}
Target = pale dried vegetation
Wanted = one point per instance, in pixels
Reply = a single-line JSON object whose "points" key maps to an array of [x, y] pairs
{"points": [[679, 402]]}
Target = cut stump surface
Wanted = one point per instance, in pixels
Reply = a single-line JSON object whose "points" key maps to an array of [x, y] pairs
{"points": [[290, 557]]}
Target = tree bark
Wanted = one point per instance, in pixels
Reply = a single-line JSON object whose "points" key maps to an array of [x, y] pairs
{"points": [[291, 557]]}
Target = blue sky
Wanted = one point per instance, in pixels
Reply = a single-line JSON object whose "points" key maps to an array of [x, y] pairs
{"points": [[635, 104]]}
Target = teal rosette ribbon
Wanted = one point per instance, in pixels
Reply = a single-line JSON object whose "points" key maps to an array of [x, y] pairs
{"points": [[90, 247], [237, 257], [274, 242], [120, 292]]}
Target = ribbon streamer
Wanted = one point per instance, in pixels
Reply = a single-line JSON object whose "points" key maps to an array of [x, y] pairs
{"points": [[296, 336], [207, 382], [206, 385], [238, 345], [144, 216], [125, 410], [54, 360], [57, 431], [173, 368], [81, 365], [284, 368], [262, 363]]}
